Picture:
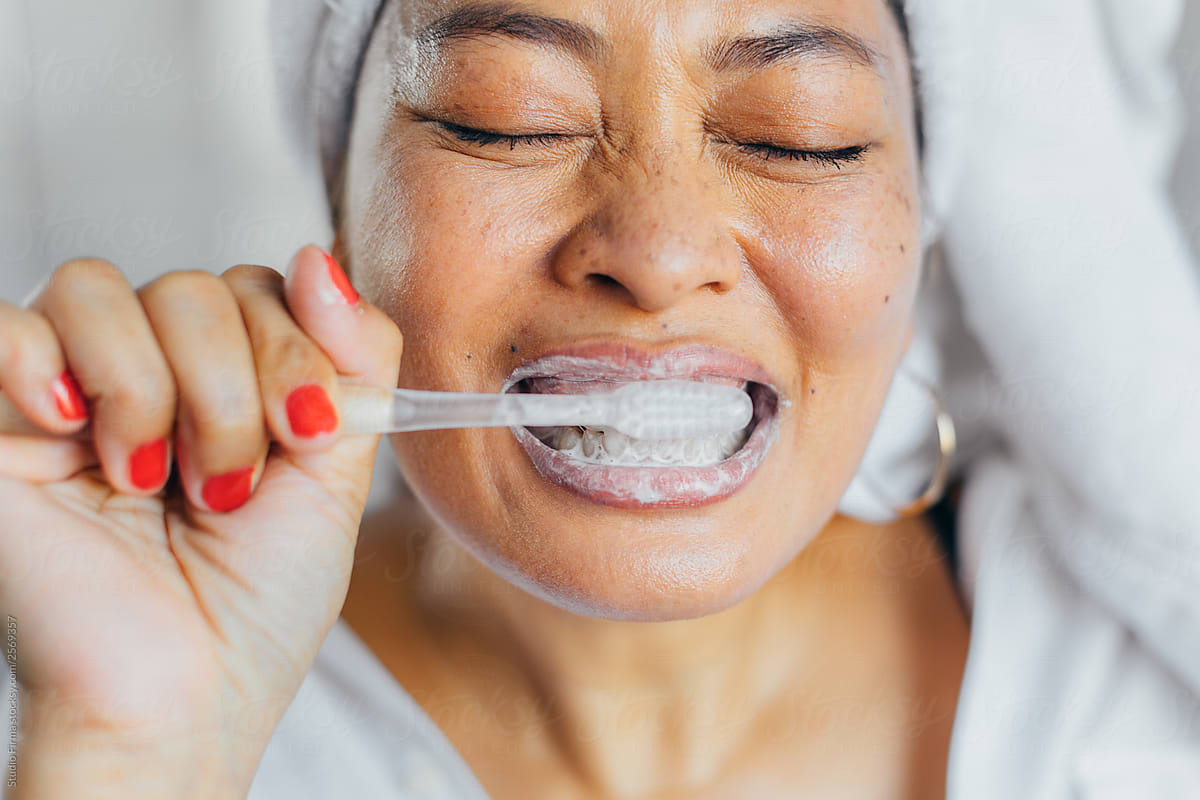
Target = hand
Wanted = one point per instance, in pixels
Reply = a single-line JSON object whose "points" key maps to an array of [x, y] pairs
{"points": [[180, 615]]}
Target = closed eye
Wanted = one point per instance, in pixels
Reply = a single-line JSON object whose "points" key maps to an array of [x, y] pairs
{"points": [[834, 158], [487, 138]]}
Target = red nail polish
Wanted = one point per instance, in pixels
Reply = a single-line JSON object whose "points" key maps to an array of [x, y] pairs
{"points": [[148, 465], [228, 492], [69, 397], [338, 276], [310, 412]]}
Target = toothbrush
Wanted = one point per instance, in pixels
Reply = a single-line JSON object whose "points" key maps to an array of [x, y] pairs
{"points": [[662, 409]]}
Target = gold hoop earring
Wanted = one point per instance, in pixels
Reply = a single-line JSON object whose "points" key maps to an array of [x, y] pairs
{"points": [[947, 447]]}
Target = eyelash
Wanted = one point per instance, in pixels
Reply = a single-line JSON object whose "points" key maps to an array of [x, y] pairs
{"points": [[475, 136], [832, 158]]}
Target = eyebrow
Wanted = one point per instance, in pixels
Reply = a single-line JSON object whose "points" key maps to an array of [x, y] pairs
{"points": [[794, 40], [790, 41], [480, 20]]}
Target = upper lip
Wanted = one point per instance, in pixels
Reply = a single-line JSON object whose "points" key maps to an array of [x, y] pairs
{"points": [[626, 361]]}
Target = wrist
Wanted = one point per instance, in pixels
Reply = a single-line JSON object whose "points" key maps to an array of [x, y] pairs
{"points": [[60, 754]]}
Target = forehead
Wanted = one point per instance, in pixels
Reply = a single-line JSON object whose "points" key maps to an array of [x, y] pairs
{"points": [[727, 33]]}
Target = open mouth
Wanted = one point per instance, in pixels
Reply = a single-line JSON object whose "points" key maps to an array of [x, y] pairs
{"points": [[611, 468], [610, 447]]}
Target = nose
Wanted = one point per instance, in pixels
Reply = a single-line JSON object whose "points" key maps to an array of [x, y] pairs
{"points": [[659, 233]]}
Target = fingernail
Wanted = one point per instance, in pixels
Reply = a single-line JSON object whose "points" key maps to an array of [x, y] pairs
{"points": [[69, 397], [340, 281], [228, 492], [148, 465], [310, 412]]}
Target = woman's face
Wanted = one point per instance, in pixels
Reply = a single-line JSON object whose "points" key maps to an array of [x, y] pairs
{"points": [[722, 190]]}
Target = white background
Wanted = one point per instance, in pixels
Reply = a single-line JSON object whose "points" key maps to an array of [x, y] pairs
{"points": [[143, 132]]}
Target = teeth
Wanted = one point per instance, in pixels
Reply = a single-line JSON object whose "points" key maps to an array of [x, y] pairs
{"points": [[569, 439], [609, 446], [616, 444], [670, 452], [640, 450]]}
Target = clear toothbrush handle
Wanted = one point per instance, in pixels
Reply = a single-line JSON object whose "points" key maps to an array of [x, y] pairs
{"points": [[373, 410]]}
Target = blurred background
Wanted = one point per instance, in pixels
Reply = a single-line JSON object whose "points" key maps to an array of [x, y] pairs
{"points": [[144, 133]]}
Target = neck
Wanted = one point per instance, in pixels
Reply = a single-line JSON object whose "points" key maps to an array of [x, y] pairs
{"points": [[633, 708]]}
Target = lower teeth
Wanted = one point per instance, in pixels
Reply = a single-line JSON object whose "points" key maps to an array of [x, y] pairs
{"points": [[611, 447]]}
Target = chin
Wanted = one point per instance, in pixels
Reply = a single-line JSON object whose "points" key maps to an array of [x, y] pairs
{"points": [[606, 560]]}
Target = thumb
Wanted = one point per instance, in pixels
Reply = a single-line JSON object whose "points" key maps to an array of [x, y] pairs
{"points": [[364, 345]]}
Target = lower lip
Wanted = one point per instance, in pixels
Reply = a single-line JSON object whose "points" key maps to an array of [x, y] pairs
{"points": [[657, 487]]}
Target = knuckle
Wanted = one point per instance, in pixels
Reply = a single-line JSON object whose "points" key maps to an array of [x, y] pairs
{"points": [[81, 282], [252, 275], [22, 345], [284, 355], [195, 287], [230, 402], [146, 394], [85, 272], [14, 351], [229, 418]]}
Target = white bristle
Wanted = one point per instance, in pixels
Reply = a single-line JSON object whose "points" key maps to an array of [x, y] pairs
{"points": [[680, 409]]}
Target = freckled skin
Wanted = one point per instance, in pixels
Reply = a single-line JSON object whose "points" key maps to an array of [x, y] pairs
{"points": [[644, 227]]}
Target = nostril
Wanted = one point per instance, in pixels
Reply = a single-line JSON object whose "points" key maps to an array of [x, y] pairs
{"points": [[604, 280], [615, 288]]}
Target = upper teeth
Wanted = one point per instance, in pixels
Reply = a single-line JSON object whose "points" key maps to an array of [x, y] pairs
{"points": [[611, 447]]}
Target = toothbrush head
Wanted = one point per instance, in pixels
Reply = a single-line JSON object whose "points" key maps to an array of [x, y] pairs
{"points": [[675, 409]]}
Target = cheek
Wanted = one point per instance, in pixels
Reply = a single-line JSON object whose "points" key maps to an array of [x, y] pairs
{"points": [[449, 253], [840, 264]]}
